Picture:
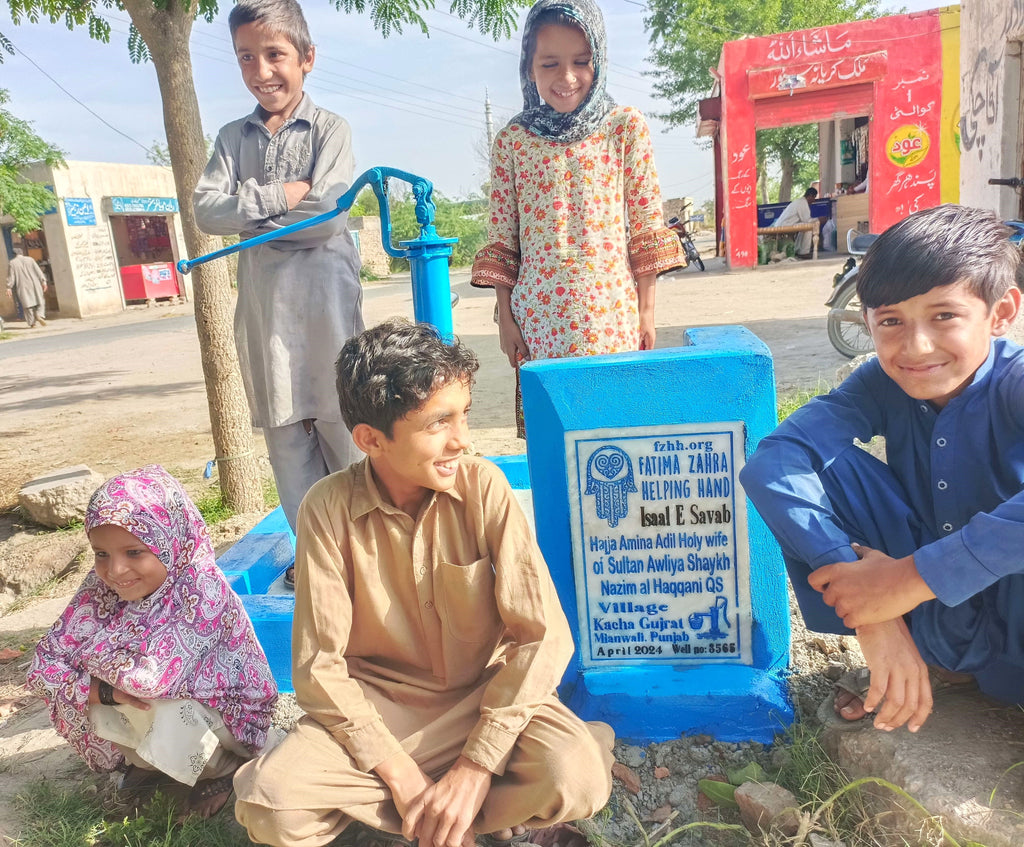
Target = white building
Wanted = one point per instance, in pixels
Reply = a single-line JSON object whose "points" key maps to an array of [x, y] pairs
{"points": [[991, 104], [113, 238]]}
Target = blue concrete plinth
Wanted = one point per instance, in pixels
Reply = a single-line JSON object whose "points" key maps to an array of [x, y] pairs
{"points": [[645, 705], [271, 616], [673, 586]]}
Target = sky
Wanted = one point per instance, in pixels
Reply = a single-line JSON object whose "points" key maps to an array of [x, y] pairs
{"points": [[413, 102]]}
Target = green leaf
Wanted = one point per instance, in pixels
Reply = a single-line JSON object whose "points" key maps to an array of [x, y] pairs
{"points": [[750, 772], [720, 793]]}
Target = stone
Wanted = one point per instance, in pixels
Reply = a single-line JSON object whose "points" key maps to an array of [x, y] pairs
{"points": [[661, 772], [847, 368], [632, 756], [835, 670], [59, 497], [816, 840], [31, 559], [766, 806], [967, 748], [659, 815], [627, 777]]}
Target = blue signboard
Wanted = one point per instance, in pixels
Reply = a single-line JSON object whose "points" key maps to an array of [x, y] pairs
{"points": [[144, 205], [78, 211]]}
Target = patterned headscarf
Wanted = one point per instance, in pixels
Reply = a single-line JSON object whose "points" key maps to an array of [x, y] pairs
{"points": [[189, 639], [540, 118]]}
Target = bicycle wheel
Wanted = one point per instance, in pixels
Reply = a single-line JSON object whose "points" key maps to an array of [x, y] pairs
{"points": [[850, 337]]}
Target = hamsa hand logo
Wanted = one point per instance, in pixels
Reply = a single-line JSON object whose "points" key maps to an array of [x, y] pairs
{"points": [[610, 480]]}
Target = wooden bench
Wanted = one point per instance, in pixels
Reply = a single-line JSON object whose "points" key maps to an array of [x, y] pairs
{"points": [[812, 227]]}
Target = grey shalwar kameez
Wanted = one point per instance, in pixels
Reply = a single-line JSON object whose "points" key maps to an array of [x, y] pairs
{"points": [[299, 297], [25, 278]]}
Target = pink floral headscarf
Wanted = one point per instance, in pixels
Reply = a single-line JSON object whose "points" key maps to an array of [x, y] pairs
{"points": [[189, 639]]}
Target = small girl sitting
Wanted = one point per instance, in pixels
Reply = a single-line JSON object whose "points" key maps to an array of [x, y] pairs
{"points": [[576, 231], [154, 666]]}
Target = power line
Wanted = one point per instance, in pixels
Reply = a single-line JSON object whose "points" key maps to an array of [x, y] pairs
{"points": [[91, 111]]}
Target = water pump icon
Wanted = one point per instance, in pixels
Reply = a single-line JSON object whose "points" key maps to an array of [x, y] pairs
{"points": [[715, 615]]}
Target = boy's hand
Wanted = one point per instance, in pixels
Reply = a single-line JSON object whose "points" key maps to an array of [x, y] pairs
{"points": [[898, 674], [443, 815], [405, 779], [875, 589], [295, 192]]}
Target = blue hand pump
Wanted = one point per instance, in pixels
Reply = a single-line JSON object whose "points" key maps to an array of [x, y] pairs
{"points": [[428, 254]]}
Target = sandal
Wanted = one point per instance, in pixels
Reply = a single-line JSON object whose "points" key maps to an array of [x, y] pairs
{"points": [[289, 577], [140, 779], [208, 789], [855, 682]]}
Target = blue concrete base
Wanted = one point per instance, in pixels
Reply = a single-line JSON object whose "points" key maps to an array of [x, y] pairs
{"points": [[645, 705], [271, 616]]}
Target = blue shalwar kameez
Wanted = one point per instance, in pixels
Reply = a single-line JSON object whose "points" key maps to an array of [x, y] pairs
{"points": [[951, 494]]}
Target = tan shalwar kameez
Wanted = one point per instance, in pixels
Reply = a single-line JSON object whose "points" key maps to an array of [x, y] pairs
{"points": [[440, 635]]}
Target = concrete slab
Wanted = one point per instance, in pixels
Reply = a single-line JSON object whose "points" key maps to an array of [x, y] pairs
{"points": [[957, 766]]}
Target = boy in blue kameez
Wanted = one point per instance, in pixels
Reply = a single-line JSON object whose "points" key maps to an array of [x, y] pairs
{"points": [[923, 557]]}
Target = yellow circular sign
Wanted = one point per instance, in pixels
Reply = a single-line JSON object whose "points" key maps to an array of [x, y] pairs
{"points": [[907, 146]]}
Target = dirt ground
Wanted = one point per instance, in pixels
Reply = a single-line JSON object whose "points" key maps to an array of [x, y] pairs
{"points": [[116, 392]]}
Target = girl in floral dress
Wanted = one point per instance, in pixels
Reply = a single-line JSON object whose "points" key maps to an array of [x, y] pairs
{"points": [[576, 232], [154, 669]]}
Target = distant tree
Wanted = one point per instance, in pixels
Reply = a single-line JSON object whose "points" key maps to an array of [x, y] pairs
{"points": [[160, 32], [462, 219], [23, 200], [159, 153], [366, 205], [687, 38]]}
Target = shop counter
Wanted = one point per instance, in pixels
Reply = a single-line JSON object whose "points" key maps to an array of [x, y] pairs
{"points": [[149, 282]]}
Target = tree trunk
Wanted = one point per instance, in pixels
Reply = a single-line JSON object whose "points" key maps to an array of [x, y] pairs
{"points": [[788, 166], [166, 32]]}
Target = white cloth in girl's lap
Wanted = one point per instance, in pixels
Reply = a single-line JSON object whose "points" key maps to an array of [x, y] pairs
{"points": [[177, 737]]}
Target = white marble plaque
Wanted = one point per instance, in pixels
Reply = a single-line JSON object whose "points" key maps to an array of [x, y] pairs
{"points": [[660, 552]]}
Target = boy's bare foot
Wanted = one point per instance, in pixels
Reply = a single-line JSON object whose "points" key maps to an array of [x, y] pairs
{"points": [[848, 706], [505, 837]]}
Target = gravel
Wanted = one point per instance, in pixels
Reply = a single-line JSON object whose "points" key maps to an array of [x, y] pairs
{"points": [[666, 800]]}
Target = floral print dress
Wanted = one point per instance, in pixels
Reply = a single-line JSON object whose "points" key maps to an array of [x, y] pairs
{"points": [[571, 227]]}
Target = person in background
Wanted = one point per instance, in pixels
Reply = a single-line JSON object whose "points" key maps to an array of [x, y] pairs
{"points": [[799, 212], [26, 281]]}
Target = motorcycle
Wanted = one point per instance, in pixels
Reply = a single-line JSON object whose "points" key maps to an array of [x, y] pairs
{"points": [[846, 328], [679, 228]]}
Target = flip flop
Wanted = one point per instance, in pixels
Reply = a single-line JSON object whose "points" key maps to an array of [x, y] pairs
{"points": [[855, 682]]}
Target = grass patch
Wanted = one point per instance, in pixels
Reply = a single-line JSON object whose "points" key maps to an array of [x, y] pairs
{"points": [[212, 507], [793, 400], [852, 811], [80, 818], [271, 499]]}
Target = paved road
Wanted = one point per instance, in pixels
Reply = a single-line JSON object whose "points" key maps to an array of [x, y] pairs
{"points": [[126, 389]]}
